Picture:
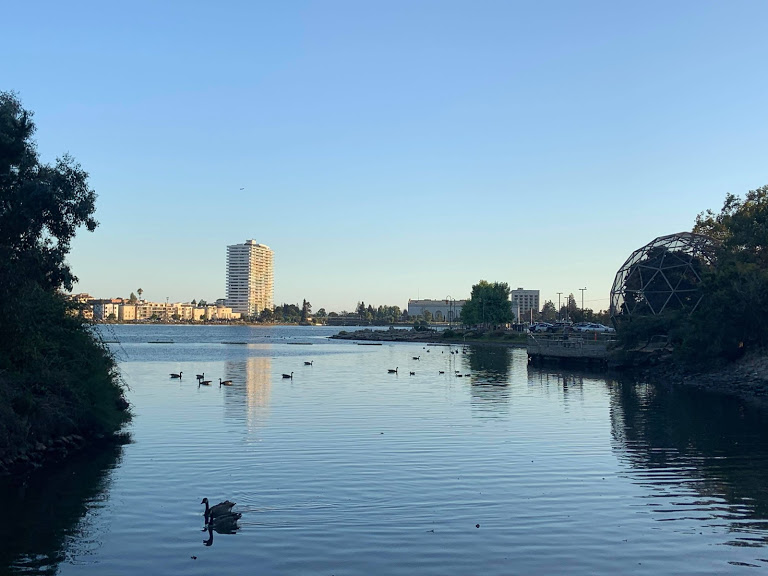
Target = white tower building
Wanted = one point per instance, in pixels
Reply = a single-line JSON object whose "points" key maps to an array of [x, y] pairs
{"points": [[250, 278]]}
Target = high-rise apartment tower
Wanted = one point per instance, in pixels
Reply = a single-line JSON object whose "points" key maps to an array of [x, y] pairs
{"points": [[250, 277]]}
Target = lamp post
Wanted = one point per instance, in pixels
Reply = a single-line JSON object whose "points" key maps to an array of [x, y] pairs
{"points": [[582, 301], [558, 305], [451, 303]]}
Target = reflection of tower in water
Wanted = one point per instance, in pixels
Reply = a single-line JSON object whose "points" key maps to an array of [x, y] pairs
{"points": [[249, 397]]}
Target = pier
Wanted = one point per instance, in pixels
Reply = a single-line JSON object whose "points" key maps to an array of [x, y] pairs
{"points": [[568, 348]]}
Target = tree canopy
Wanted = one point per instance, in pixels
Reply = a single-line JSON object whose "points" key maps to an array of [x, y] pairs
{"points": [[488, 304], [41, 205]]}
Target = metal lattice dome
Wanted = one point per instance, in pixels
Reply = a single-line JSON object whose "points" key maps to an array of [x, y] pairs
{"points": [[662, 275]]}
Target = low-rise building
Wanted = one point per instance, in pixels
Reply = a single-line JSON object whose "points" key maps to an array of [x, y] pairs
{"points": [[440, 310]]}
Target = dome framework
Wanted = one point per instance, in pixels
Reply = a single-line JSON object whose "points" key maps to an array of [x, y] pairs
{"points": [[665, 274]]}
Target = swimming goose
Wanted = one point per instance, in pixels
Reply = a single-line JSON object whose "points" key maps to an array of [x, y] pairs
{"points": [[200, 376], [288, 375], [224, 382], [173, 375], [412, 373], [390, 371], [203, 382], [308, 363], [220, 509]]}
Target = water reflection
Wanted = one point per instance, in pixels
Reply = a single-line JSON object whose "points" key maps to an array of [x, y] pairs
{"points": [[680, 441], [490, 373], [249, 395], [226, 524], [45, 514]]}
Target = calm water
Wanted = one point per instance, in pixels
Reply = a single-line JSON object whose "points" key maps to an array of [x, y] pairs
{"points": [[347, 470]]}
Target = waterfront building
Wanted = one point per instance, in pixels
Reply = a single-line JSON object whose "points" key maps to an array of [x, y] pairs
{"points": [[106, 307], [440, 310], [524, 303], [250, 278]]}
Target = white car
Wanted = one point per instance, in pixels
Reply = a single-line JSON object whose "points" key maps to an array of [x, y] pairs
{"points": [[593, 327], [542, 327]]}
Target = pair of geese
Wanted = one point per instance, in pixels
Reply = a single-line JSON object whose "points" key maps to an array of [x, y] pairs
{"points": [[291, 374], [201, 381]]}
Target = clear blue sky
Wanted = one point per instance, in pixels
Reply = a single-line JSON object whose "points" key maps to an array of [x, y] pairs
{"points": [[390, 150]]}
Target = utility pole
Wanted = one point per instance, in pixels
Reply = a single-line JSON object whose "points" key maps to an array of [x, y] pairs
{"points": [[558, 305], [582, 300]]}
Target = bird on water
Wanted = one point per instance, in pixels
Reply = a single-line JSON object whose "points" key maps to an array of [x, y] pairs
{"points": [[390, 371], [174, 375], [288, 375], [224, 382], [308, 363], [220, 509]]}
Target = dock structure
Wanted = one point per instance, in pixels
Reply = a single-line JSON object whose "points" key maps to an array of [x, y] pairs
{"points": [[570, 348]]}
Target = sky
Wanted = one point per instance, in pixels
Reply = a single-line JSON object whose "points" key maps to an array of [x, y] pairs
{"points": [[390, 150]]}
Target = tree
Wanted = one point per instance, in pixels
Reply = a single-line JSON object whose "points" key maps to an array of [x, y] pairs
{"points": [[427, 316], [489, 303], [41, 206], [132, 298], [321, 313], [140, 292], [306, 310], [194, 302], [202, 303], [548, 312]]}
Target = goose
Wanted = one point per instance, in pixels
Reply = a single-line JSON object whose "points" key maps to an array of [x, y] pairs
{"points": [[220, 509], [308, 363], [200, 376], [390, 371], [412, 373], [441, 372], [176, 375], [203, 382], [224, 382], [288, 375], [416, 357]]}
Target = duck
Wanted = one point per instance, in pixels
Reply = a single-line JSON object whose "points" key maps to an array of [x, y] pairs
{"points": [[220, 509], [203, 382], [224, 382], [308, 363], [390, 371], [288, 375], [174, 375]]}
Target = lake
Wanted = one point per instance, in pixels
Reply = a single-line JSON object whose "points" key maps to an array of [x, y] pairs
{"points": [[347, 469]]}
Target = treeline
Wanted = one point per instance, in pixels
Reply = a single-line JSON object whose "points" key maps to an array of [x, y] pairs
{"points": [[56, 379]]}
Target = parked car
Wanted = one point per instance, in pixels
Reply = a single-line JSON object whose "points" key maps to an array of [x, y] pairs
{"points": [[593, 327], [542, 327]]}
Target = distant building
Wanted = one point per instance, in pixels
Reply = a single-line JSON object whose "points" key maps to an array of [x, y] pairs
{"points": [[523, 302], [106, 307], [441, 310], [250, 278]]}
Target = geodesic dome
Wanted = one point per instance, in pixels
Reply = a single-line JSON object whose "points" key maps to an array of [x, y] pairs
{"points": [[662, 275]]}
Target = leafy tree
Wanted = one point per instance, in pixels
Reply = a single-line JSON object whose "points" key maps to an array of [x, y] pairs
{"points": [[427, 316], [489, 303], [41, 206], [132, 298], [194, 302], [202, 303], [140, 292], [321, 313], [306, 310], [548, 312]]}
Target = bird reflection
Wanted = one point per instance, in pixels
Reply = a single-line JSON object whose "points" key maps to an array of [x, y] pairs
{"points": [[226, 524]]}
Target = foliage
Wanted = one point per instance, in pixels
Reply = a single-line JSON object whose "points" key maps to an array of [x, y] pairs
{"points": [[132, 298], [548, 312], [489, 303], [57, 378]]}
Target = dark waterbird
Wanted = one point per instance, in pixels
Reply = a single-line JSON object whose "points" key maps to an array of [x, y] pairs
{"points": [[390, 371], [173, 375], [203, 382], [224, 382], [308, 363], [220, 509], [288, 375]]}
